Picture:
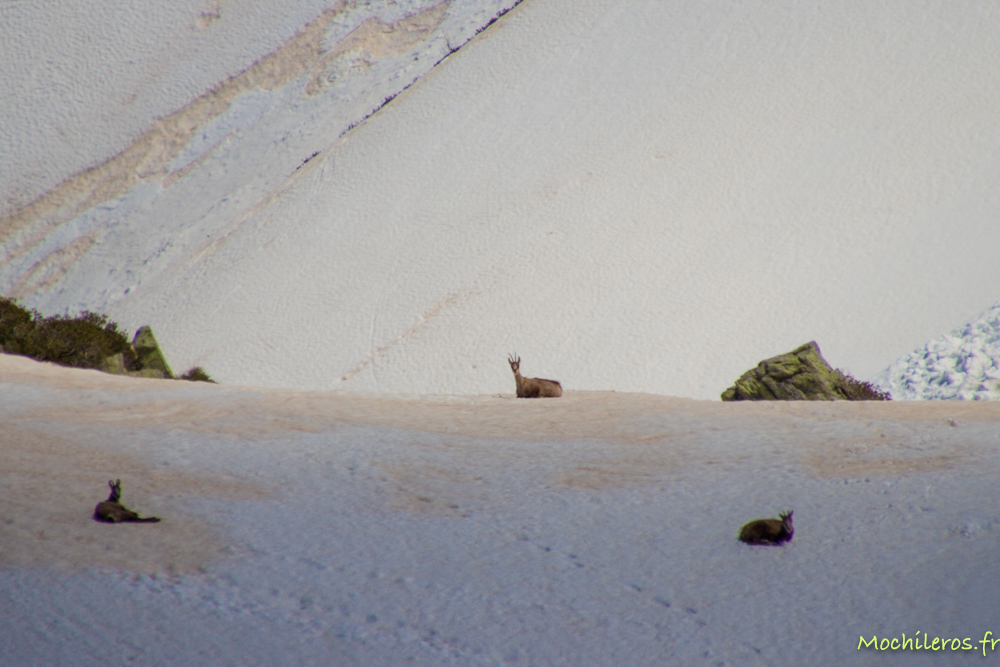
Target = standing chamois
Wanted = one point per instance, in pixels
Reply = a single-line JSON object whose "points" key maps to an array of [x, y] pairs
{"points": [[533, 387], [112, 511], [768, 531]]}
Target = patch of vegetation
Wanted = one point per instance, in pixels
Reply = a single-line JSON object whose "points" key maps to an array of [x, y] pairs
{"points": [[197, 374], [88, 340], [83, 341], [856, 390]]}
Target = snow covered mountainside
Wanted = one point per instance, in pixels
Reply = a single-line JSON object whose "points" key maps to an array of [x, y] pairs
{"points": [[630, 195], [644, 196]]}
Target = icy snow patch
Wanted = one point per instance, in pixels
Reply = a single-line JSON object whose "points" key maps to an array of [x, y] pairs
{"points": [[964, 364]]}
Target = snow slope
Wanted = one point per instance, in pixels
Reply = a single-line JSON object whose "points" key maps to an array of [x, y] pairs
{"points": [[82, 84], [166, 171], [634, 196], [304, 528]]}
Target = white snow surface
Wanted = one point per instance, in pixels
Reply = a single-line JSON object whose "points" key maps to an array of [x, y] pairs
{"points": [[329, 528], [964, 364], [640, 196], [81, 82], [632, 195]]}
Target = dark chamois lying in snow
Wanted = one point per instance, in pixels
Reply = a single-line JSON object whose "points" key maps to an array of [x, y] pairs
{"points": [[768, 531], [533, 387], [112, 511]]}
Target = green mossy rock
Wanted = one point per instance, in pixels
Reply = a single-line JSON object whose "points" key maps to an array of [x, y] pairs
{"points": [[800, 375], [148, 351], [114, 364]]}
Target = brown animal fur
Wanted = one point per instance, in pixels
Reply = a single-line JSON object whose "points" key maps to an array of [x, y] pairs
{"points": [[768, 531], [533, 387], [112, 511]]}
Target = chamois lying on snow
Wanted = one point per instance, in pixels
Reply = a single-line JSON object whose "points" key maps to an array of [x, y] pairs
{"points": [[533, 387], [768, 531], [112, 511]]}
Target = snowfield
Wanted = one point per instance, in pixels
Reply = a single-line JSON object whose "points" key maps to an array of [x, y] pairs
{"points": [[351, 212], [595, 529]]}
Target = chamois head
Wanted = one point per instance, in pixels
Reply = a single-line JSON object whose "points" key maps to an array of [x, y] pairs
{"points": [[515, 364]]}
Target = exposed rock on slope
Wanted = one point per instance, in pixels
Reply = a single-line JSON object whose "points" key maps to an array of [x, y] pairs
{"points": [[148, 351], [799, 375]]}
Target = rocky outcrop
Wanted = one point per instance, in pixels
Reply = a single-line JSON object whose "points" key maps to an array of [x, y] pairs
{"points": [[148, 351], [150, 364], [800, 375]]}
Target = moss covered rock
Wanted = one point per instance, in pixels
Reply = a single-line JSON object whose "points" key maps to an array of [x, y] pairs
{"points": [[148, 351], [799, 375], [114, 364]]}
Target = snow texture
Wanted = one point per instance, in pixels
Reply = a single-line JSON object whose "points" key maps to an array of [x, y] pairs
{"points": [[641, 196], [964, 364], [323, 528], [646, 197]]}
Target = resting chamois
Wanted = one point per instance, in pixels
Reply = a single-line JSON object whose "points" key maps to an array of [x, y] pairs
{"points": [[112, 511], [768, 531], [533, 387]]}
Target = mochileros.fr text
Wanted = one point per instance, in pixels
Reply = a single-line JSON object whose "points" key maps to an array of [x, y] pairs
{"points": [[918, 643]]}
